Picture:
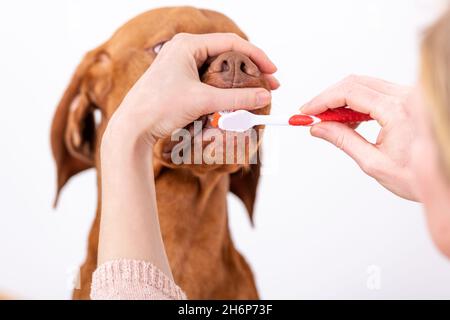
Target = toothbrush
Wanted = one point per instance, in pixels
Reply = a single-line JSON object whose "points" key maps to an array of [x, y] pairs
{"points": [[243, 120]]}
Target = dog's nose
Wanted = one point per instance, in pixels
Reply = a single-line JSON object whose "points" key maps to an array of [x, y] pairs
{"points": [[234, 66]]}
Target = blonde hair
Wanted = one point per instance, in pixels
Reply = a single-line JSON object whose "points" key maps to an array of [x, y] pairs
{"points": [[436, 82]]}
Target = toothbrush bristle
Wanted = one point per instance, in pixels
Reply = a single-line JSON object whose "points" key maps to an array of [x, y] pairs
{"points": [[215, 120], [238, 121]]}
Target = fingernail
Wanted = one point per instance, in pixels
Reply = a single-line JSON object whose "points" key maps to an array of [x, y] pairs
{"points": [[303, 107], [275, 67], [277, 82], [263, 98]]}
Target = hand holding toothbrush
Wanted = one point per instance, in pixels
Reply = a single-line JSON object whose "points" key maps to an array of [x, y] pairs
{"points": [[389, 159], [332, 115]]}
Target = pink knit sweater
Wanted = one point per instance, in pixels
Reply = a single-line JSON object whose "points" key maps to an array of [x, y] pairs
{"points": [[133, 280]]}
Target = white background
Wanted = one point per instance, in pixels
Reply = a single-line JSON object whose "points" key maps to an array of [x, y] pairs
{"points": [[320, 222]]}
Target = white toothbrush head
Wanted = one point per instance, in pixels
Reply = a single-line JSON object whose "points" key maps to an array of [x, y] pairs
{"points": [[238, 121]]}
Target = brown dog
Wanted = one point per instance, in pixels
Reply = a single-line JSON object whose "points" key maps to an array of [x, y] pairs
{"points": [[191, 198]]}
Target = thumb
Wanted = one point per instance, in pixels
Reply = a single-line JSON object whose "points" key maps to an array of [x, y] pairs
{"points": [[366, 155], [217, 99]]}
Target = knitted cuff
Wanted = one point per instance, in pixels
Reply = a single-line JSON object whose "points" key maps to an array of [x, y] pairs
{"points": [[131, 276]]}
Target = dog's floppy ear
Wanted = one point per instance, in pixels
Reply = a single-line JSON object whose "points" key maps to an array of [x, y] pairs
{"points": [[73, 131], [244, 184]]}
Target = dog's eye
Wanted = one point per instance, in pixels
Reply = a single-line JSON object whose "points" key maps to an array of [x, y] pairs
{"points": [[157, 48]]}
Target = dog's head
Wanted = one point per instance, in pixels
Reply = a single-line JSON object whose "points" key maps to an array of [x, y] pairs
{"points": [[106, 74]]}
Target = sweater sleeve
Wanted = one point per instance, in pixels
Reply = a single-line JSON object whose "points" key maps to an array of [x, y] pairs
{"points": [[133, 280]]}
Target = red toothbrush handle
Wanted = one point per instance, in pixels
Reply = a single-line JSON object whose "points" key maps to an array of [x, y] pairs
{"points": [[343, 115]]}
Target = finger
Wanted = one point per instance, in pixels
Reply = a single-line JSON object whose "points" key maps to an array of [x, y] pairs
{"points": [[355, 96], [366, 155], [379, 85], [216, 99], [274, 84], [213, 44]]}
